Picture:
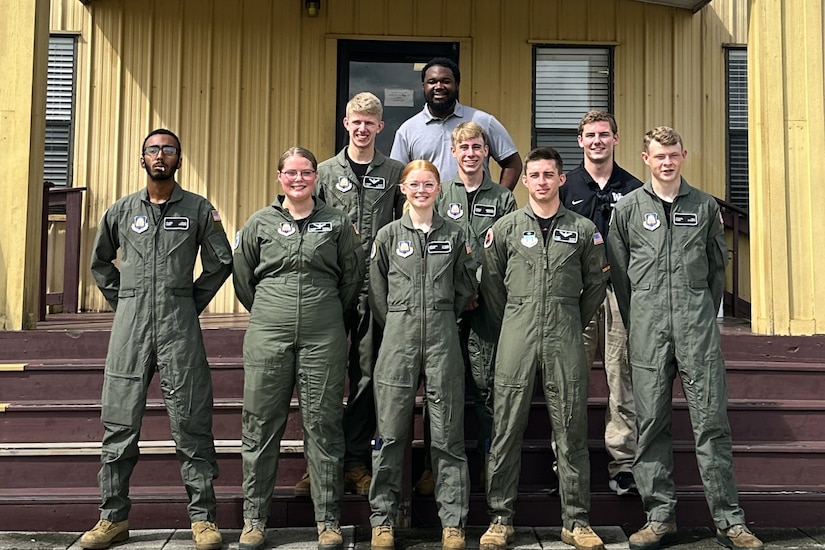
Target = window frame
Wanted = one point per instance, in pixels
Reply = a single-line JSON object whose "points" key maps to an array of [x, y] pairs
{"points": [[59, 116], [734, 136]]}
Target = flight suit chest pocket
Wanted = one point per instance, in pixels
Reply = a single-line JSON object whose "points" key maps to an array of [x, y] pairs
{"points": [[520, 275], [178, 238]]}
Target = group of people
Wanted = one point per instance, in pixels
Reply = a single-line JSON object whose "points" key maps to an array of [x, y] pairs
{"points": [[419, 268]]}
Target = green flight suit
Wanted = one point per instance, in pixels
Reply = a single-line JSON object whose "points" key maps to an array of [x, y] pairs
{"points": [[156, 328], [370, 204], [419, 285], [490, 202], [297, 283], [669, 277], [542, 295]]}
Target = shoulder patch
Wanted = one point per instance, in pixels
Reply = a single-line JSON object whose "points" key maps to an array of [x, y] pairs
{"points": [[237, 242], [374, 250], [597, 238], [216, 217]]}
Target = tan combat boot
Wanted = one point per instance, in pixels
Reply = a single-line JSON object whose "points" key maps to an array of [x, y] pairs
{"points": [[452, 538], [329, 536], [582, 537], [383, 538], [653, 536], [206, 535], [104, 533], [302, 487], [497, 536], [253, 534], [737, 536], [357, 480]]}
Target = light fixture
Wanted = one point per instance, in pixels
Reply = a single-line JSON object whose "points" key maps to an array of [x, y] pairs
{"points": [[312, 7]]}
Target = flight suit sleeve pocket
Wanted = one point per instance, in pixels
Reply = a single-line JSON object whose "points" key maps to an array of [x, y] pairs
{"points": [[640, 286], [218, 243], [397, 307], [698, 284], [443, 306], [126, 293], [187, 292]]}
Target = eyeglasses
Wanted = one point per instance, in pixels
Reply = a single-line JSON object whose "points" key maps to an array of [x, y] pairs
{"points": [[425, 185], [168, 150], [293, 174]]}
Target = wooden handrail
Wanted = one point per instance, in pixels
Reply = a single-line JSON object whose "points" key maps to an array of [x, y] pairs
{"points": [[72, 199], [736, 219]]}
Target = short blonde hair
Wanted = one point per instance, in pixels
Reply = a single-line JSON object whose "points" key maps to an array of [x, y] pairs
{"points": [[663, 134], [468, 130], [366, 103]]}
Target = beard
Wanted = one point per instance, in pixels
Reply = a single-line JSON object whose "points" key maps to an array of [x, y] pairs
{"points": [[443, 108], [159, 176]]}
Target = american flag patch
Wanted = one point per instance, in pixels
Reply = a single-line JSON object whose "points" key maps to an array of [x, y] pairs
{"points": [[597, 238], [215, 216]]}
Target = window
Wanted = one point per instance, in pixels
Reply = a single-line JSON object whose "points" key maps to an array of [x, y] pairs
{"points": [[736, 69], [568, 83], [59, 111]]}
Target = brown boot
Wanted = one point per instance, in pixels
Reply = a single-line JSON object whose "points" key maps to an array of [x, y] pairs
{"points": [[104, 533], [357, 480], [737, 536], [253, 534], [383, 538], [206, 536], [329, 536], [452, 538], [654, 535], [497, 536], [302, 487], [582, 537]]}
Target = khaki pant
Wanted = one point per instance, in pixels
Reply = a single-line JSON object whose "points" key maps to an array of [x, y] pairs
{"points": [[606, 333]]}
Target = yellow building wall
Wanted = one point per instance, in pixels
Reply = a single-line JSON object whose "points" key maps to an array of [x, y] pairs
{"points": [[242, 80]]}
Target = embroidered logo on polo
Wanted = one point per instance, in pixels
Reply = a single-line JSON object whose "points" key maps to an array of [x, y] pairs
{"points": [[374, 182], [286, 228], [404, 249], [529, 239], [484, 210], [565, 236], [439, 247], [685, 218], [343, 184], [455, 210], [140, 224], [319, 227], [652, 221], [176, 223]]}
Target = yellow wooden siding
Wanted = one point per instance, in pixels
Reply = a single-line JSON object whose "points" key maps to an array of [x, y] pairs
{"points": [[242, 80]]}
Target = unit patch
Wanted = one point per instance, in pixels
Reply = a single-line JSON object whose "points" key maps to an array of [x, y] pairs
{"points": [[488, 238], [529, 239], [343, 184], [455, 211], [685, 218], [565, 236], [176, 223], [439, 247], [374, 182], [652, 221], [286, 228], [319, 227], [140, 224], [404, 249], [484, 210]]}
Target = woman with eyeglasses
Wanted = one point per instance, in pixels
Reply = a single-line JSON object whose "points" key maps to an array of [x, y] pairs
{"points": [[298, 268], [422, 276]]}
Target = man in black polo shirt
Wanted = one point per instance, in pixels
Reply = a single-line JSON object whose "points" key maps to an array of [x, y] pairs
{"points": [[592, 189]]}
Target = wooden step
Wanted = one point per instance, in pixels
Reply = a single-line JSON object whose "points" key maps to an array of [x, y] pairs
{"points": [[165, 508]]}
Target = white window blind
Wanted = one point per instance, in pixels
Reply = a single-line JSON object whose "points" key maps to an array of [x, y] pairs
{"points": [[568, 83], [59, 110], [737, 102]]}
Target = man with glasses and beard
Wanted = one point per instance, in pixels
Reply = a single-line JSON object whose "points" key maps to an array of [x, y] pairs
{"points": [[159, 232], [592, 190], [428, 134]]}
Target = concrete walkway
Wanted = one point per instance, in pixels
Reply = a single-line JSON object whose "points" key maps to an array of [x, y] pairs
{"points": [[527, 538]]}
